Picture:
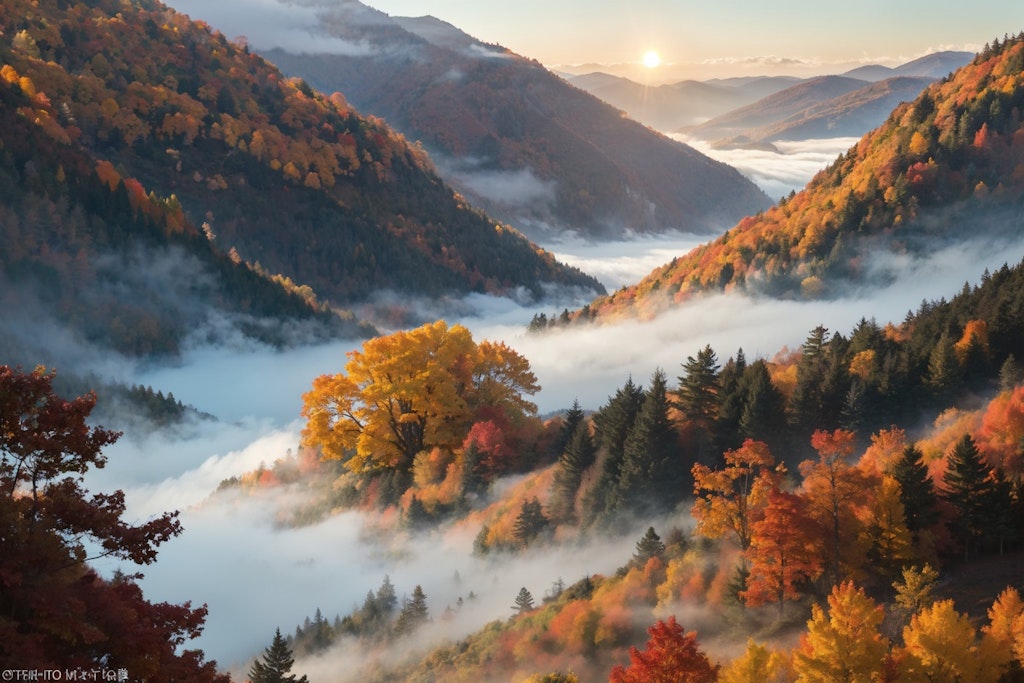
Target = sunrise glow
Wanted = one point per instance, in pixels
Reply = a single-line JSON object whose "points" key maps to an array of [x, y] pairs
{"points": [[651, 59]]}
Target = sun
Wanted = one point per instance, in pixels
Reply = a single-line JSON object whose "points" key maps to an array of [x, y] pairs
{"points": [[651, 59]]}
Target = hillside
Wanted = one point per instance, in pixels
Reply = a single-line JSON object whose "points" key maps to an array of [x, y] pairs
{"points": [[881, 419], [163, 143], [515, 138], [677, 105], [776, 107], [935, 65], [850, 115], [950, 159], [89, 258]]}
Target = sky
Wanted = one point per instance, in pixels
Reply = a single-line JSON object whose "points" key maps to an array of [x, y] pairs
{"points": [[737, 36]]}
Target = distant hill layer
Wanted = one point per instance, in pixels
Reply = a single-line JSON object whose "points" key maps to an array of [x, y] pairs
{"points": [[515, 138], [948, 166], [131, 130], [757, 109]]}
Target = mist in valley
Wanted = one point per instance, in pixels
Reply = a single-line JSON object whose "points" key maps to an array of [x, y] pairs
{"points": [[255, 574]]}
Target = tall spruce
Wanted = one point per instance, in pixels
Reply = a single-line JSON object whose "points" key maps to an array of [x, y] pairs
{"points": [[763, 415], [652, 475], [523, 601], [530, 522], [731, 401], [649, 546], [612, 424], [277, 662], [573, 417], [577, 457], [414, 613], [917, 491], [969, 490], [698, 400]]}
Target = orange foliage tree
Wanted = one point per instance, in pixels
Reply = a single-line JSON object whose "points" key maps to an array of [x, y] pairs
{"points": [[671, 656], [411, 391], [783, 553], [730, 500], [834, 491]]}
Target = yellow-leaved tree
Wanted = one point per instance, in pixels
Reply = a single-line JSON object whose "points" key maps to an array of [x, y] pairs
{"points": [[413, 391], [845, 645], [940, 644], [730, 500]]}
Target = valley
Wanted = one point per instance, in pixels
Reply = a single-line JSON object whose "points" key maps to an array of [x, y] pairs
{"points": [[455, 372]]}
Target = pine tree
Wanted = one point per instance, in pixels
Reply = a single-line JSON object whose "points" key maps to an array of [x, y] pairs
{"points": [[763, 413], [731, 401], [1010, 374], [649, 546], [530, 522], [414, 613], [916, 490], [945, 375], [386, 598], [968, 488], [577, 457], [698, 398], [612, 424], [573, 417], [652, 476], [277, 662], [523, 602]]}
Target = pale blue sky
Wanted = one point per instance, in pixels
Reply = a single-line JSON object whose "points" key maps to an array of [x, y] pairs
{"points": [[612, 31]]}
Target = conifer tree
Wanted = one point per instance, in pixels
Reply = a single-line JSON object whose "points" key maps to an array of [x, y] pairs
{"points": [[577, 457], [652, 475], [573, 417], [698, 399], [763, 413], [414, 613], [277, 662], [612, 424], [917, 491], [647, 547], [731, 401], [523, 602], [968, 488], [530, 522]]}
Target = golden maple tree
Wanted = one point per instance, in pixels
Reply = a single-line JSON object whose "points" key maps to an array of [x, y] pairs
{"points": [[412, 391]]}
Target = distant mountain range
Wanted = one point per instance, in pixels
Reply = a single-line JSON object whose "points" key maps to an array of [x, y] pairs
{"points": [[158, 181], [945, 167], [516, 139], [742, 111]]}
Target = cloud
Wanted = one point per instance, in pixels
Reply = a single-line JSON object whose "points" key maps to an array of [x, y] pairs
{"points": [[510, 188], [269, 24], [625, 261], [777, 173]]}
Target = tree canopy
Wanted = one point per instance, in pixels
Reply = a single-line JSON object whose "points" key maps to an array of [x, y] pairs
{"points": [[412, 391], [57, 611]]}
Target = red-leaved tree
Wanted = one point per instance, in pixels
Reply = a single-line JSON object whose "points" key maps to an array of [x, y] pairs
{"points": [[671, 656], [55, 610]]}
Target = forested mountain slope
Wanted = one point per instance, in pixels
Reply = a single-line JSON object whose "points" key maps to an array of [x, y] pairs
{"points": [[130, 129], [946, 167], [516, 138]]}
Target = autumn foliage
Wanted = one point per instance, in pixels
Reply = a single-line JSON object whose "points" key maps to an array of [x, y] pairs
{"points": [[58, 612], [410, 392], [671, 656]]}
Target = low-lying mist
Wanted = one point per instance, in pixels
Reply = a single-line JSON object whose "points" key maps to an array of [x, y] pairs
{"points": [[777, 173], [256, 576]]}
